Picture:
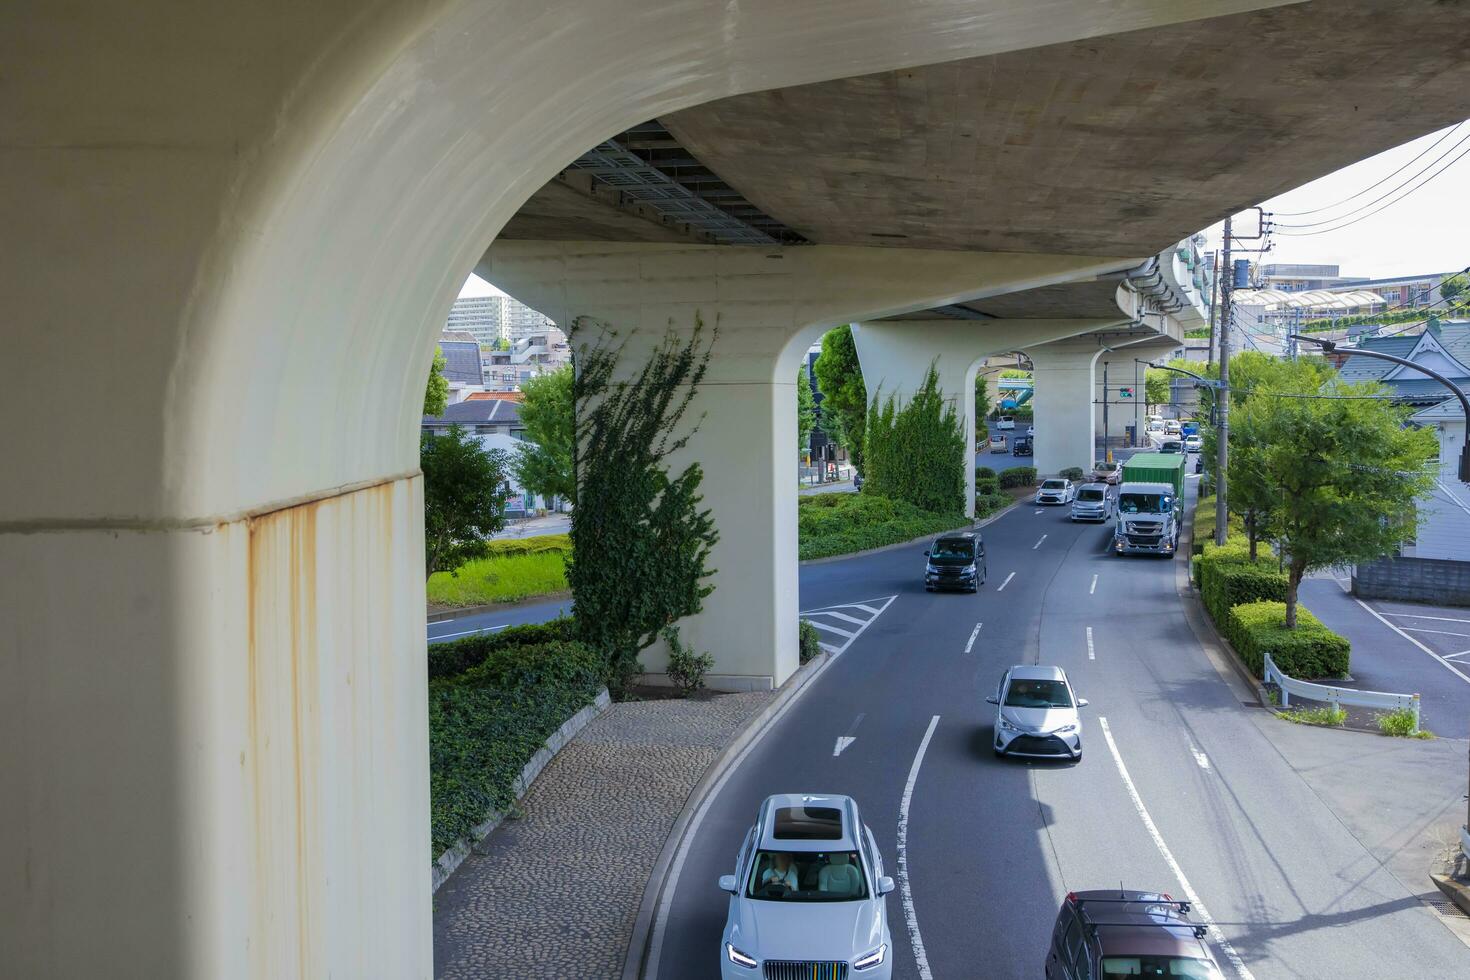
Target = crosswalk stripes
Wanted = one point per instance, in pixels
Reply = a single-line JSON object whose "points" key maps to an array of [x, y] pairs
{"points": [[838, 621]]}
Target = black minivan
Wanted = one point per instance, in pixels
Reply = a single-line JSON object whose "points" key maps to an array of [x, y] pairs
{"points": [[955, 561]]}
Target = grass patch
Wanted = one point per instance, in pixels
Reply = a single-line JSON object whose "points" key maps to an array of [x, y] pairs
{"points": [[515, 569], [1400, 724], [1328, 716], [840, 523]]}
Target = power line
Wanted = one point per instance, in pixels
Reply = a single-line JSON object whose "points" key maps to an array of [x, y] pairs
{"points": [[1364, 217], [1417, 157]]}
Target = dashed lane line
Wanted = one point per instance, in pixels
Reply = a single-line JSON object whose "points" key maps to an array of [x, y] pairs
{"points": [[1093, 587], [906, 893], [1006, 582], [1091, 653], [969, 646], [1153, 830], [1038, 544]]}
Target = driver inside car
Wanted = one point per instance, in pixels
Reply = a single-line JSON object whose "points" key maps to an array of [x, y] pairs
{"points": [[781, 872]]}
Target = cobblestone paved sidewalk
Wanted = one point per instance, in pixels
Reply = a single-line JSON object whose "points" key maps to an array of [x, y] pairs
{"points": [[554, 894]]}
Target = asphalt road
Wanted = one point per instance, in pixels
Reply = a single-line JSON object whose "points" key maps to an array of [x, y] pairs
{"points": [[994, 844]]}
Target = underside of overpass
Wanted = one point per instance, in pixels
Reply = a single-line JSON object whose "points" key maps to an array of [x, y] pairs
{"points": [[279, 204]]}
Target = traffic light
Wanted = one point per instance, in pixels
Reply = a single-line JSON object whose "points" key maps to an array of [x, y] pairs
{"points": [[1125, 392]]}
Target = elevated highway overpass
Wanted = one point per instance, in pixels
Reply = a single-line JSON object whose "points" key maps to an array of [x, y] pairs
{"points": [[235, 233]]}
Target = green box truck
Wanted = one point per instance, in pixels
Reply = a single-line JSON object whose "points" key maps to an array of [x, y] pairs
{"points": [[1149, 505]]}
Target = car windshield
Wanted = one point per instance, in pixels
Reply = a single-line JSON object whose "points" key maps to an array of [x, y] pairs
{"points": [[1054, 484], [1158, 966], [807, 876], [953, 549], [1105, 467], [1038, 694], [1090, 493], [1142, 503]]}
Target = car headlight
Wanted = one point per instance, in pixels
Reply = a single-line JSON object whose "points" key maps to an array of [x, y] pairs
{"points": [[739, 958], [1065, 730], [930, 569], [875, 958], [1007, 726]]}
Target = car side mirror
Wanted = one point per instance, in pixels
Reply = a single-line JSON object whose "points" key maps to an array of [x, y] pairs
{"points": [[1081, 702], [992, 699], [926, 554], [727, 883], [885, 885]]}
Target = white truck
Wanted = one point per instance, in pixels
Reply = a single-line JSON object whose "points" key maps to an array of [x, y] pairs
{"points": [[1148, 521]]}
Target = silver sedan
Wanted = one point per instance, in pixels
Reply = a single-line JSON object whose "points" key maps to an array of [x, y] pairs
{"points": [[1036, 714]]}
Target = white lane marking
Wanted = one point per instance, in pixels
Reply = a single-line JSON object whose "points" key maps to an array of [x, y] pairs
{"points": [[1199, 757], [1168, 855], [1038, 544], [969, 646], [483, 629], [867, 609], [1093, 587], [1457, 656], [830, 629], [1447, 665], [843, 741], [843, 616], [1038, 512], [883, 605], [671, 884], [1091, 654], [1442, 619], [881, 601], [1006, 582], [1420, 629], [905, 891]]}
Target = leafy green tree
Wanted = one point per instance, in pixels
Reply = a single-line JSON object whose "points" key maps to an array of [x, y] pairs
{"points": [[1455, 287], [1156, 386], [543, 463], [1342, 473], [436, 395], [640, 538], [982, 396], [917, 453], [464, 498], [844, 395], [806, 410]]}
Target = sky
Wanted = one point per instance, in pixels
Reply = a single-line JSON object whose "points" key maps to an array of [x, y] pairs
{"points": [[1420, 230], [1422, 225]]}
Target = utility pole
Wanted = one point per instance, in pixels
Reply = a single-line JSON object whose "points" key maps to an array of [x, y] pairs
{"points": [[1222, 407], [1214, 295]]}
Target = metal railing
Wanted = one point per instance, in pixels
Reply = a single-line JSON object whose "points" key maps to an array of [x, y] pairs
{"points": [[1338, 696]]}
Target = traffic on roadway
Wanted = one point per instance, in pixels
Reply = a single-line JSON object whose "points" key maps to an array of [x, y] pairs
{"points": [[922, 806]]}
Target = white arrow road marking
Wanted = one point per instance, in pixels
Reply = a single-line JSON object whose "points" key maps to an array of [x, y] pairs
{"points": [[1092, 588], [971, 644], [1038, 544], [1006, 582], [843, 741], [906, 893], [1148, 822], [1091, 654]]}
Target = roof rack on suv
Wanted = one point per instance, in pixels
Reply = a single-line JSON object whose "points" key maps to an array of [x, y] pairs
{"points": [[1199, 929]]}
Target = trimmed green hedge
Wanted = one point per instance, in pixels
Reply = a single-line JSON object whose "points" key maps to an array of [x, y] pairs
{"points": [[532, 545], [988, 503], [486, 723], [457, 656], [984, 473], [989, 484], [1018, 476], [1227, 577], [809, 644], [1204, 524], [840, 523], [1309, 651]]}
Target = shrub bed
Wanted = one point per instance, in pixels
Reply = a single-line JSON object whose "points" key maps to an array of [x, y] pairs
{"points": [[487, 722], [984, 473], [989, 484], [840, 523], [515, 569], [1018, 476], [808, 641], [1309, 651], [457, 656], [1204, 524], [990, 502], [1227, 577]]}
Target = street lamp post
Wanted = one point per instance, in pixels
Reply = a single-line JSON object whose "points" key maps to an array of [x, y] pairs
{"points": [[1328, 346]]}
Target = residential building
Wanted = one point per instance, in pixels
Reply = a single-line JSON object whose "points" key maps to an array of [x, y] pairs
{"points": [[1296, 277], [492, 318], [494, 419], [461, 363]]}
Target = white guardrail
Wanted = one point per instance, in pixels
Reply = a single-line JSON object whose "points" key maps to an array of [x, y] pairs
{"points": [[1337, 696]]}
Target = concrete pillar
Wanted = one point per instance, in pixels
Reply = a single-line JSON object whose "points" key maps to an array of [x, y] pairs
{"points": [[769, 305], [896, 354], [1123, 370]]}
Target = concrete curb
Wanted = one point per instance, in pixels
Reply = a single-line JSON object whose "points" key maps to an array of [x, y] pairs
{"points": [[454, 857], [461, 612], [912, 541], [753, 729], [1451, 875]]}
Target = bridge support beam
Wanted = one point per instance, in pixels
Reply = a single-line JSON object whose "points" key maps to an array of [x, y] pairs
{"points": [[769, 305], [896, 355]]}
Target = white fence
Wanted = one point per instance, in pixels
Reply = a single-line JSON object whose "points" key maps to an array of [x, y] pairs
{"points": [[1338, 696]]}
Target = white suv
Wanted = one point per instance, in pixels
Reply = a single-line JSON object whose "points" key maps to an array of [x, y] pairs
{"points": [[807, 895]]}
